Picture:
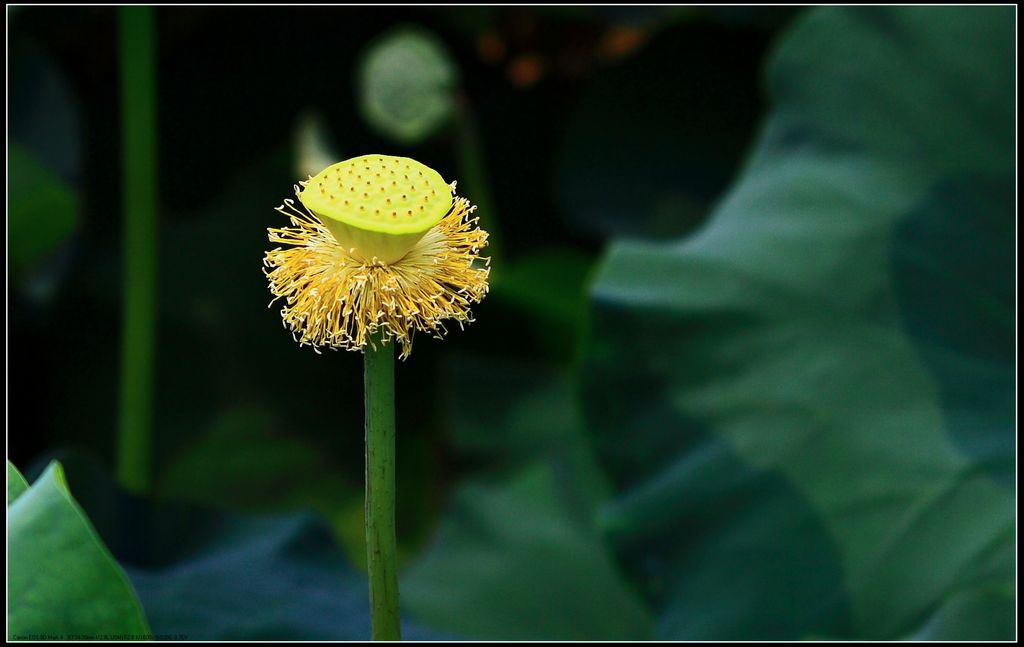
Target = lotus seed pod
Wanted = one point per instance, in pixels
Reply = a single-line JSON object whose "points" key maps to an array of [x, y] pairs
{"points": [[379, 248], [378, 206]]}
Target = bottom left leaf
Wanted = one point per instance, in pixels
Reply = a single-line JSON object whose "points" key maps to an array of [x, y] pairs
{"points": [[62, 582]]}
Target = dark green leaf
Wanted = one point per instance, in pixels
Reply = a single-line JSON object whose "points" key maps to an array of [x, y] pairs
{"points": [[507, 414], [807, 407], [512, 562], [519, 558], [244, 462], [208, 575], [983, 614], [42, 209], [260, 578]]}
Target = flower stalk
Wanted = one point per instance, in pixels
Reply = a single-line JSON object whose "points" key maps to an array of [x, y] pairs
{"points": [[138, 119], [380, 247], [381, 545]]}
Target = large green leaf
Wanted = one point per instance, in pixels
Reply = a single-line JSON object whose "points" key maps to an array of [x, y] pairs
{"points": [[807, 407], [204, 574], [512, 562], [62, 582], [517, 556]]}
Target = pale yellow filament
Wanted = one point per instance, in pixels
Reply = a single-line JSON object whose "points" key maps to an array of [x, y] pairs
{"points": [[336, 299]]}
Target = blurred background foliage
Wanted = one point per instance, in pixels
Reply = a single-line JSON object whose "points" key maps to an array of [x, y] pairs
{"points": [[745, 372]]}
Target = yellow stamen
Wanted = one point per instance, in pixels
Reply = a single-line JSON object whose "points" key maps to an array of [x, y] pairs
{"points": [[336, 298]]}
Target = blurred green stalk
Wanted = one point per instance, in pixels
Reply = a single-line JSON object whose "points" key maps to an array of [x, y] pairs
{"points": [[381, 544], [473, 174], [138, 136]]}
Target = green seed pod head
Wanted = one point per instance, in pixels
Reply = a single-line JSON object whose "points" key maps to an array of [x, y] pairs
{"points": [[378, 205]]}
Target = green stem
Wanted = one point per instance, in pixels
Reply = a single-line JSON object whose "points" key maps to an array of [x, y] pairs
{"points": [[381, 549], [138, 133]]}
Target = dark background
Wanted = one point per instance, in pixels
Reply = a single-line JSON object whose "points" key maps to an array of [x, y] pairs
{"points": [[232, 84]]}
